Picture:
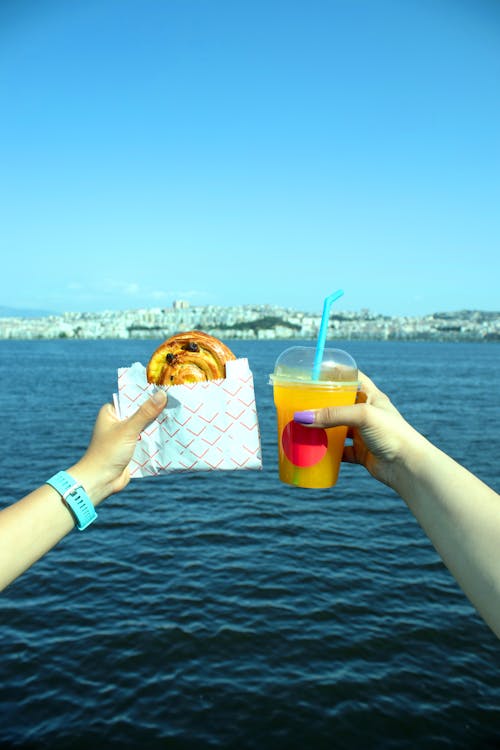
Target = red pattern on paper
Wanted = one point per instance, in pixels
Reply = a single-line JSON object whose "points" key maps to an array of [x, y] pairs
{"points": [[192, 435]]}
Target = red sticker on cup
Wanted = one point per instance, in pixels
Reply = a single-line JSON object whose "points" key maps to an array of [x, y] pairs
{"points": [[304, 446]]}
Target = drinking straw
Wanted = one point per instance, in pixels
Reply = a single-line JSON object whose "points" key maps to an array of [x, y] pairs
{"points": [[320, 346]]}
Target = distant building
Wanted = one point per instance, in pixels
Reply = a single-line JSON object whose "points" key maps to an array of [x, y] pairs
{"points": [[180, 304]]}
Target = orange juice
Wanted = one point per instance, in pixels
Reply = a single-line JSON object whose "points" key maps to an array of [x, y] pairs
{"points": [[310, 456]]}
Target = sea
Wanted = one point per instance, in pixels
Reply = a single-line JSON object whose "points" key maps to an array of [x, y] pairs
{"points": [[228, 610]]}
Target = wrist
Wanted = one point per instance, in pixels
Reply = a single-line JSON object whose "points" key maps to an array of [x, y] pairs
{"points": [[94, 485], [410, 465], [74, 497]]}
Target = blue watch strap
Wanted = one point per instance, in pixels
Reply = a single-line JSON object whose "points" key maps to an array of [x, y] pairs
{"points": [[75, 498]]}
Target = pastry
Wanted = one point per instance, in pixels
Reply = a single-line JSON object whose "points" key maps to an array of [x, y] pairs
{"points": [[190, 357]]}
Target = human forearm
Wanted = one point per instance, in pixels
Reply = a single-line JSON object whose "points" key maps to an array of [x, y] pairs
{"points": [[37, 522], [461, 516], [459, 513]]}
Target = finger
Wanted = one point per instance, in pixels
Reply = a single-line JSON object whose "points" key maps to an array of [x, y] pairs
{"points": [[334, 416], [368, 390], [349, 455], [361, 397], [148, 411]]}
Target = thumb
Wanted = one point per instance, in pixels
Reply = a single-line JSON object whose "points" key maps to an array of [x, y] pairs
{"points": [[148, 411]]}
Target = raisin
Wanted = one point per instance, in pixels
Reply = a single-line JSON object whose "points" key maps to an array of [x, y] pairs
{"points": [[192, 347], [170, 358]]}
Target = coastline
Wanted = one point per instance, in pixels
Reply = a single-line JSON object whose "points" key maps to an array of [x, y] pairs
{"points": [[254, 322]]}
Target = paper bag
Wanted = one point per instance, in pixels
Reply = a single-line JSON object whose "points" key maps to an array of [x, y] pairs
{"points": [[204, 427]]}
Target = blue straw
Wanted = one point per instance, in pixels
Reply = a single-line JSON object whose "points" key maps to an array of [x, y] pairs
{"points": [[320, 346]]}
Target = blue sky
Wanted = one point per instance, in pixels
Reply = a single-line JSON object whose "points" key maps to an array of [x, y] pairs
{"points": [[238, 152]]}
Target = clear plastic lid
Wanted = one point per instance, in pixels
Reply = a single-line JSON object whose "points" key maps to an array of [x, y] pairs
{"points": [[295, 365]]}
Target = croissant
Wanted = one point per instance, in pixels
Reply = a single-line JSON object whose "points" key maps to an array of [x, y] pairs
{"points": [[190, 357]]}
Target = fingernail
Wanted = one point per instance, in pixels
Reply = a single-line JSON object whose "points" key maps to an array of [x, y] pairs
{"points": [[159, 397], [304, 417]]}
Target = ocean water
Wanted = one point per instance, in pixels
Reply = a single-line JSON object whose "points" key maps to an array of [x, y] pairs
{"points": [[227, 610]]}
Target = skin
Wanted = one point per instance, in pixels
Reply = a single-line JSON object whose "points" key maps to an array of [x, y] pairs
{"points": [[458, 512], [32, 526]]}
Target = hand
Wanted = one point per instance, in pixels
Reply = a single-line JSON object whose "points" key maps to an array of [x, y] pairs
{"points": [[380, 436], [103, 470]]}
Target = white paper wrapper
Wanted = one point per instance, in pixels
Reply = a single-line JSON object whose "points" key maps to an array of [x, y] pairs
{"points": [[204, 427]]}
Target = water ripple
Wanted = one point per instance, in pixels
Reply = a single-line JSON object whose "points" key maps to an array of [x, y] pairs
{"points": [[236, 612]]}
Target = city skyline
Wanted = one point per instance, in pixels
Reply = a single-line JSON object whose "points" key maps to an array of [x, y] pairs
{"points": [[13, 312], [253, 322], [250, 153]]}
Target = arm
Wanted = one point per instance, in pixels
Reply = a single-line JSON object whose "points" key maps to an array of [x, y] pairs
{"points": [[459, 513], [32, 526]]}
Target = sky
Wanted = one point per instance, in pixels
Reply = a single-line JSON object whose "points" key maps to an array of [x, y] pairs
{"points": [[229, 152]]}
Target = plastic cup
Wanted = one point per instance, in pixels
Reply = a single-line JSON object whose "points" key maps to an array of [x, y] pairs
{"points": [[310, 456]]}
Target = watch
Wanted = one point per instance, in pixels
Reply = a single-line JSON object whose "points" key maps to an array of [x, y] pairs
{"points": [[75, 498]]}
